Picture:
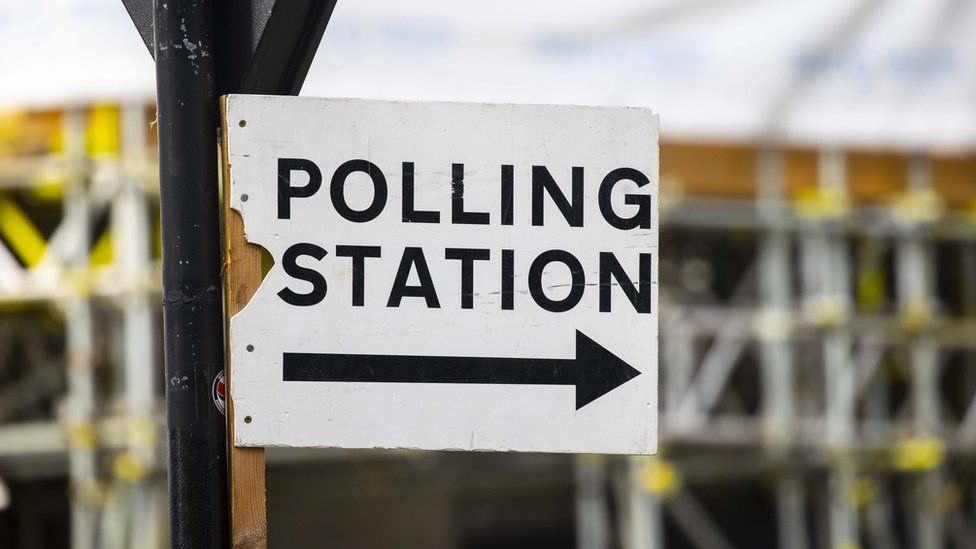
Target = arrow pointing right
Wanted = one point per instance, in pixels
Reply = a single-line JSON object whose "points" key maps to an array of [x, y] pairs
{"points": [[594, 372]]}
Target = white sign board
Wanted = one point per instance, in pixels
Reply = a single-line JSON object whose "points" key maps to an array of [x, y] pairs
{"points": [[447, 276]]}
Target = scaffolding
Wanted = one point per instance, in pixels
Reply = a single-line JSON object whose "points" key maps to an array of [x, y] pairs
{"points": [[816, 344], [820, 348], [78, 251]]}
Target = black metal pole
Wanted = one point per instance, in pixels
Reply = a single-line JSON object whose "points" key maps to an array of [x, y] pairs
{"points": [[186, 105]]}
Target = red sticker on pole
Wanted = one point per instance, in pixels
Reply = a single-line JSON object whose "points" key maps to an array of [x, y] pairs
{"points": [[218, 392]]}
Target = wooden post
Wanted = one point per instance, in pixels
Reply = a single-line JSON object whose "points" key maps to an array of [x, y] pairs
{"points": [[242, 275]]}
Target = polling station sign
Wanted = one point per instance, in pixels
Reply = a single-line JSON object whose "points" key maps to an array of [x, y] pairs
{"points": [[446, 276]]}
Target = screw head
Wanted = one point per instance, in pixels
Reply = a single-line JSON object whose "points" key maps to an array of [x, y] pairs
{"points": [[242, 123], [247, 419]]}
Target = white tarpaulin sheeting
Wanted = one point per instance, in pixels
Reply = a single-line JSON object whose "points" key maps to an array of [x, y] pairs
{"points": [[879, 73]]}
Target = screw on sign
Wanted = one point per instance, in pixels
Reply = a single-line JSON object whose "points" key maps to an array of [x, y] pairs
{"points": [[446, 276]]}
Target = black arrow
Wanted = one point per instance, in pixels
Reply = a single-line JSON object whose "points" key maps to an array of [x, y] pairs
{"points": [[594, 372]]}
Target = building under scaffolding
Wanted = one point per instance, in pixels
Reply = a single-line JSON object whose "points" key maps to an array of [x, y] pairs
{"points": [[818, 279], [79, 285], [818, 370]]}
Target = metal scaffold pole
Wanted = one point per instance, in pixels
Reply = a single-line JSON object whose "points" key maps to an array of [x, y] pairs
{"points": [[778, 367], [915, 289], [826, 274], [592, 522], [83, 465], [131, 233], [641, 523], [192, 309]]}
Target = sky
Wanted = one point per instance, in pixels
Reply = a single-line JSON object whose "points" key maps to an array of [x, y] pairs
{"points": [[875, 73]]}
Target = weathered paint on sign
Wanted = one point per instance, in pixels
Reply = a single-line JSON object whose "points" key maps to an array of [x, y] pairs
{"points": [[447, 276]]}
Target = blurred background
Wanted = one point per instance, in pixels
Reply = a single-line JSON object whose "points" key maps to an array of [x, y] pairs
{"points": [[818, 278]]}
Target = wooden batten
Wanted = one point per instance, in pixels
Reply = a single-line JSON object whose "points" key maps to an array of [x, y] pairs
{"points": [[704, 169], [242, 276], [873, 177], [954, 179]]}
